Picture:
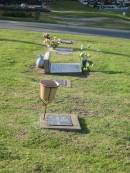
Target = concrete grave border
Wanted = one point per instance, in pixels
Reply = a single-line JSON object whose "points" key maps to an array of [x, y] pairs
{"points": [[75, 127], [52, 67]]}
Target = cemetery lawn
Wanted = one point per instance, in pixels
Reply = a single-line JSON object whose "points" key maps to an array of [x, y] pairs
{"points": [[102, 101]]}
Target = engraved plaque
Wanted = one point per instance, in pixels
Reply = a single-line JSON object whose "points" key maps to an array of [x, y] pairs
{"points": [[59, 120], [65, 68], [63, 52], [64, 83], [64, 49], [67, 41]]}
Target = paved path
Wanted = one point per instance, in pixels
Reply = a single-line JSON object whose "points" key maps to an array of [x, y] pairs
{"points": [[40, 27]]}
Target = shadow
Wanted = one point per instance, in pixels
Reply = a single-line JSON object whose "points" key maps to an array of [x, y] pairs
{"points": [[101, 51], [110, 72], [20, 41], [84, 128], [81, 75], [107, 52]]}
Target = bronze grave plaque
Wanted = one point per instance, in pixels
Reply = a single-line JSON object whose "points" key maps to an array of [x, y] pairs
{"points": [[58, 120]]}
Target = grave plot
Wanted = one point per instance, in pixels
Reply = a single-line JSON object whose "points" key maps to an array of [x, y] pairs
{"points": [[65, 68], [48, 89], [60, 122], [60, 67], [57, 120]]}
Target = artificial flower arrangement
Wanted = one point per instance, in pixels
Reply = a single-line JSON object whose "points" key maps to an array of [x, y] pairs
{"points": [[86, 63], [50, 41]]}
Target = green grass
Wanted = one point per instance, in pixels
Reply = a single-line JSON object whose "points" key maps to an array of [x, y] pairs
{"points": [[102, 101]]}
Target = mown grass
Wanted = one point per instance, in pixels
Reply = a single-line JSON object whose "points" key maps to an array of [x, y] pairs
{"points": [[102, 101]]}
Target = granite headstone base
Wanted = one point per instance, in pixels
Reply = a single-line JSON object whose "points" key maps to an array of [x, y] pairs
{"points": [[68, 122]]}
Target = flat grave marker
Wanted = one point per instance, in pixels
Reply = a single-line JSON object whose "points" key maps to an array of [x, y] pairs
{"points": [[60, 67], [63, 52], [65, 68], [67, 41], [64, 49], [56, 121], [64, 83]]}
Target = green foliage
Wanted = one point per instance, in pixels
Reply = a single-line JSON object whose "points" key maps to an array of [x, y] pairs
{"points": [[86, 63], [17, 13]]}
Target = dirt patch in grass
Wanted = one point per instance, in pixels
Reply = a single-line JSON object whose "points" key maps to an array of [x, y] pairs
{"points": [[21, 134]]}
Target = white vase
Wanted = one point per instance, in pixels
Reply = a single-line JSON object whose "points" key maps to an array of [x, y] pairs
{"points": [[40, 61]]}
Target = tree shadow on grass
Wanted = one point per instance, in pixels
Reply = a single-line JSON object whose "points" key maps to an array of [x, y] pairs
{"points": [[102, 51], [110, 72], [20, 41], [108, 52]]}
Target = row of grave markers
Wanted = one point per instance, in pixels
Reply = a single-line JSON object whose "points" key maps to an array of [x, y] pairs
{"points": [[54, 120]]}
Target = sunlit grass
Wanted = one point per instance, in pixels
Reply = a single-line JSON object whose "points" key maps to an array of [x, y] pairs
{"points": [[102, 101]]}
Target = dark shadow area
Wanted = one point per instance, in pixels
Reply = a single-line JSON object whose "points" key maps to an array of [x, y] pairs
{"points": [[77, 49], [81, 75], [83, 125], [84, 128], [101, 51], [110, 72], [20, 41], [107, 52]]}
